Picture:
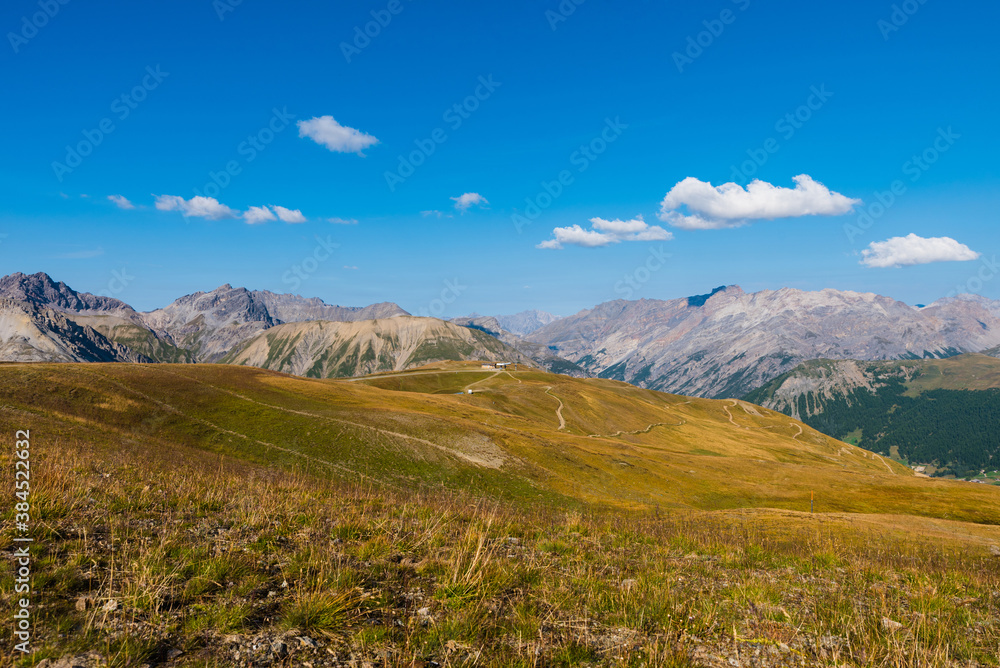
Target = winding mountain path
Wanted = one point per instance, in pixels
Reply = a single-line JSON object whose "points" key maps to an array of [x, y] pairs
{"points": [[562, 420]]}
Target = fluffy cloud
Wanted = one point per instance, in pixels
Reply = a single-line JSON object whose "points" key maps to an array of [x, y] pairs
{"points": [[730, 205], [121, 202], [327, 132], [289, 215], [256, 215], [196, 207], [605, 232], [911, 249], [463, 202]]}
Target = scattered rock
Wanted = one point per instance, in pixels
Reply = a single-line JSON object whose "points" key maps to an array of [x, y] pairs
{"points": [[84, 603], [174, 653], [995, 550], [306, 641], [628, 584], [890, 625], [111, 605], [424, 612], [279, 648]]}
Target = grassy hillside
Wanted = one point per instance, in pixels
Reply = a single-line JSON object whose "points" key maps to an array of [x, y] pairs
{"points": [[943, 413], [215, 516]]}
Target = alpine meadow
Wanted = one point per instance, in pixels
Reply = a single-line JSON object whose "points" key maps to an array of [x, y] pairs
{"points": [[548, 334]]}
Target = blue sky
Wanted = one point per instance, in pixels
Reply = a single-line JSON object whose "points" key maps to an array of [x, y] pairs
{"points": [[205, 82]]}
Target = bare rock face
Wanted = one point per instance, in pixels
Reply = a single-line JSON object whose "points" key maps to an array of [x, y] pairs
{"points": [[729, 342], [211, 324], [321, 349], [32, 334], [41, 291]]}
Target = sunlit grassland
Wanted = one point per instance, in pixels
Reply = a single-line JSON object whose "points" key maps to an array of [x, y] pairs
{"points": [[215, 503]]}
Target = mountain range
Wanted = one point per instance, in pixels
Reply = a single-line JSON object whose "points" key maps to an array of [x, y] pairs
{"points": [[729, 342], [723, 344]]}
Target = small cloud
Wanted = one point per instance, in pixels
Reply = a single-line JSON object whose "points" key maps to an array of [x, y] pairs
{"points": [[911, 250], [463, 202], [435, 213], [289, 215], [256, 215], [605, 232], [121, 202], [325, 131], [730, 205], [196, 207], [85, 196], [81, 255], [64, 195], [343, 221], [351, 267]]}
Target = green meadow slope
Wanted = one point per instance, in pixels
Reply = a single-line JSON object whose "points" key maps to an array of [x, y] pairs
{"points": [[211, 515], [524, 436]]}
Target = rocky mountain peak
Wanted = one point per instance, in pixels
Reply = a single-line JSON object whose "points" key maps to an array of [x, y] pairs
{"points": [[41, 291]]}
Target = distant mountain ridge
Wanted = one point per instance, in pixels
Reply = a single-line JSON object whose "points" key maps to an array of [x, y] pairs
{"points": [[525, 322], [45, 320], [323, 349], [729, 342]]}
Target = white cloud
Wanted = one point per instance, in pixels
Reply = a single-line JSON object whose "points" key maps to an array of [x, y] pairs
{"points": [[463, 202], [121, 202], [289, 215], [911, 250], [325, 131], [198, 207], [343, 221], [350, 267], [256, 215], [605, 232], [730, 205]]}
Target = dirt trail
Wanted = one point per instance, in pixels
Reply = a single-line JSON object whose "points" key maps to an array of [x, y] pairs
{"points": [[483, 380], [455, 453], [799, 427], [884, 464], [562, 420], [730, 415], [407, 373], [639, 431], [223, 430]]}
